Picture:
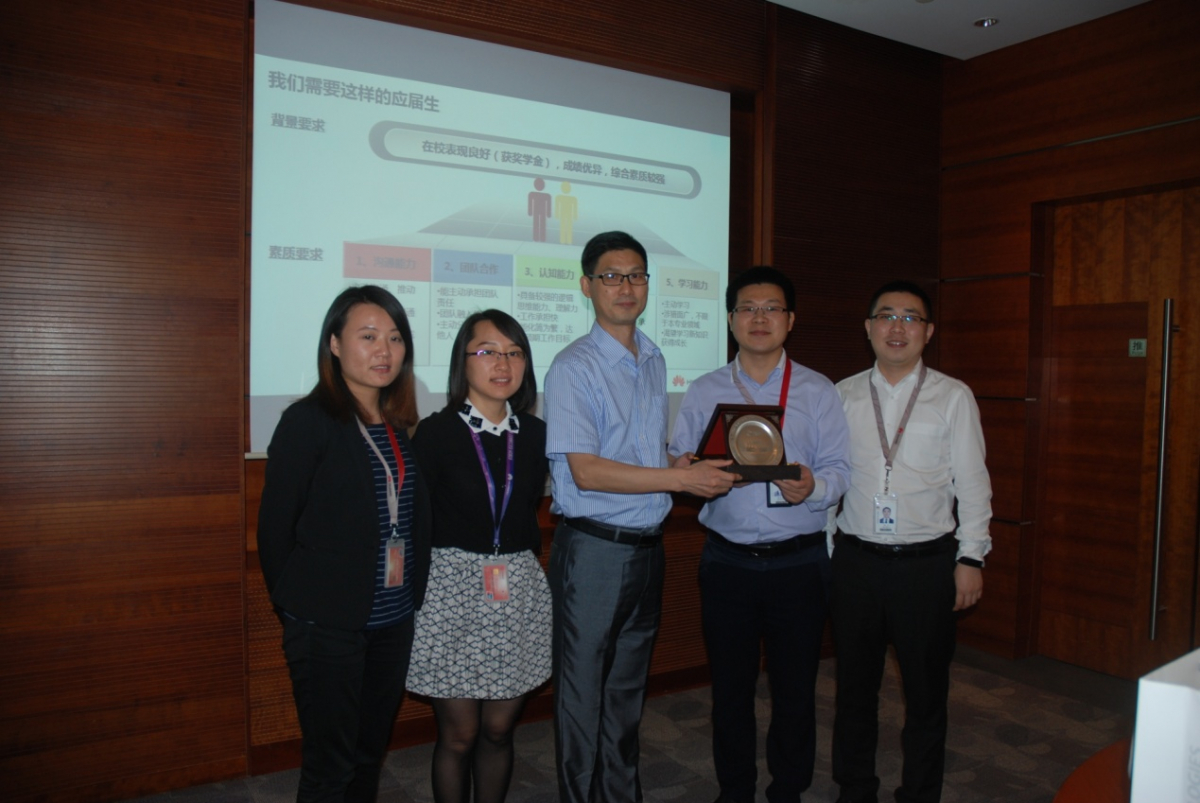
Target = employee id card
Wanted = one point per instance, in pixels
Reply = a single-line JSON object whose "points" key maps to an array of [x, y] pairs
{"points": [[495, 580], [393, 576], [886, 514]]}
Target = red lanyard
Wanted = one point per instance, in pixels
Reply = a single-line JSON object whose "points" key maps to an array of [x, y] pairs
{"points": [[783, 391], [393, 494], [399, 458]]}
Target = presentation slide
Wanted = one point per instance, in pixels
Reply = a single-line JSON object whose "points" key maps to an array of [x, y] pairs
{"points": [[462, 175]]}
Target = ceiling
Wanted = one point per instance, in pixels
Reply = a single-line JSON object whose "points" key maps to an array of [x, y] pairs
{"points": [[947, 26]]}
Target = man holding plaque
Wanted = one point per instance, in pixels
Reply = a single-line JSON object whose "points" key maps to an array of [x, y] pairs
{"points": [[902, 565], [764, 571], [606, 417]]}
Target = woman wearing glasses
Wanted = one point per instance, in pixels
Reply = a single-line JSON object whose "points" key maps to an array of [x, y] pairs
{"points": [[483, 636]]}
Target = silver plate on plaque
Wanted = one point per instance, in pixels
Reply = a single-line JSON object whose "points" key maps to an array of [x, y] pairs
{"points": [[755, 441]]}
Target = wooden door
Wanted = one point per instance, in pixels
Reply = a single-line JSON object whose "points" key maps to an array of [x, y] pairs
{"points": [[1091, 522], [1114, 261]]}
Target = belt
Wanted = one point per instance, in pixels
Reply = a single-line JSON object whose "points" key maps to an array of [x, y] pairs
{"points": [[771, 549], [921, 549], [630, 536]]}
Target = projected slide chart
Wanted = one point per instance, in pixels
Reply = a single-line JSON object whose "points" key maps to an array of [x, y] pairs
{"points": [[441, 285], [382, 155]]}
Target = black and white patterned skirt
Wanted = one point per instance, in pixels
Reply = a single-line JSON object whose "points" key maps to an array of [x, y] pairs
{"points": [[467, 647]]}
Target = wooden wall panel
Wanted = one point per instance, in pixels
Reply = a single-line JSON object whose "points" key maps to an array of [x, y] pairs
{"points": [[988, 316], [994, 624], [121, 198], [1102, 108], [1004, 432], [987, 207], [855, 179], [1130, 70]]}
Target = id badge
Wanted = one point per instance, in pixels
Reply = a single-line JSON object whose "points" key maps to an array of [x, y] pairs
{"points": [[775, 496], [394, 568], [886, 514], [495, 580]]}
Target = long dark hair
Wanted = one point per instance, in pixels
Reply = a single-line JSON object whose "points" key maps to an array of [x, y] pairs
{"points": [[457, 386], [397, 401]]}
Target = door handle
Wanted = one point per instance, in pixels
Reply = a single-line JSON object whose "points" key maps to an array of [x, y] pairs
{"points": [[1168, 330]]}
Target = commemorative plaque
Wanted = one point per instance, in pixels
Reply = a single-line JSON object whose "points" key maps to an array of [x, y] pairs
{"points": [[750, 436]]}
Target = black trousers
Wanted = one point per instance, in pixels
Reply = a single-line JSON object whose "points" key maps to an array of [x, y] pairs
{"points": [[908, 602], [748, 604], [347, 685]]}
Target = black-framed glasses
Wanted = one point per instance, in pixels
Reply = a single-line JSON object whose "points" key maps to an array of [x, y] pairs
{"points": [[907, 320], [495, 356], [615, 279], [756, 311]]}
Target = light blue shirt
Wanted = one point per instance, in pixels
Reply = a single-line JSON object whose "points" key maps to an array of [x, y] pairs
{"points": [[814, 434], [599, 399]]}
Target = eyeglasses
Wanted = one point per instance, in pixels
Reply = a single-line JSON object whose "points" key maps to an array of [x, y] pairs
{"points": [[756, 311], [615, 279], [494, 356], [907, 320]]}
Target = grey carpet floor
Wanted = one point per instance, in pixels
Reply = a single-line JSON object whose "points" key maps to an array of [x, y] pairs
{"points": [[1017, 730]]}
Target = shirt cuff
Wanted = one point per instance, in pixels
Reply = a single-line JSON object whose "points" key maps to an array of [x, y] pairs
{"points": [[974, 549]]}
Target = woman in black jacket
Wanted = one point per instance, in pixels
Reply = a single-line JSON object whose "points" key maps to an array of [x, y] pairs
{"points": [[343, 540], [483, 637]]}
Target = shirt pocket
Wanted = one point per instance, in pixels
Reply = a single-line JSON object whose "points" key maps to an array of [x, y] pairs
{"points": [[925, 447]]}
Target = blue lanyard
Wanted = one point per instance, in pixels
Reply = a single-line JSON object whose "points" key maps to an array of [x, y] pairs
{"points": [[491, 483]]}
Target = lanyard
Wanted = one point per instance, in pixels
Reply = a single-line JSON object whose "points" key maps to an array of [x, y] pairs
{"points": [[889, 454], [393, 488], [491, 483], [783, 391]]}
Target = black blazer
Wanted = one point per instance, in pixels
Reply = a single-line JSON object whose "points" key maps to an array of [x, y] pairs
{"points": [[318, 525]]}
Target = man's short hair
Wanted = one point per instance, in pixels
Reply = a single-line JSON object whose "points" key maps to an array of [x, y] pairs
{"points": [[760, 274], [902, 286], [607, 241]]}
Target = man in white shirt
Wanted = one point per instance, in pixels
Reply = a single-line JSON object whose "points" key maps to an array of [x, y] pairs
{"points": [[916, 448]]}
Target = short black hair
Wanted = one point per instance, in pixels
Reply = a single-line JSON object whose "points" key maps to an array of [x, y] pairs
{"points": [[456, 385], [607, 241], [760, 274], [902, 286]]}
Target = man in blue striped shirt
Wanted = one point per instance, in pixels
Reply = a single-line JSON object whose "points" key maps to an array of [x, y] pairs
{"points": [[606, 416]]}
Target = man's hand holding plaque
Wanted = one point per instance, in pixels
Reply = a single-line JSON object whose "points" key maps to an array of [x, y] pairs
{"points": [[749, 435]]}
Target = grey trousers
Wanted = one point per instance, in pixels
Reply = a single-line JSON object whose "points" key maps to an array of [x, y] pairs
{"points": [[607, 605]]}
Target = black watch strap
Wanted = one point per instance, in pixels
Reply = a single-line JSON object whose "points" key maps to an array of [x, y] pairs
{"points": [[978, 564]]}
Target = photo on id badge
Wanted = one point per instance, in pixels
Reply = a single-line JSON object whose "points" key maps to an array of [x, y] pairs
{"points": [[885, 514]]}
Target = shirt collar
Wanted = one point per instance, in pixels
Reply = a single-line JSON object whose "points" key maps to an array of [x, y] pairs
{"points": [[882, 383], [613, 351], [776, 371], [479, 423]]}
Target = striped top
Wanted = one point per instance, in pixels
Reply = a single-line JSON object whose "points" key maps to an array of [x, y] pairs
{"points": [[391, 605]]}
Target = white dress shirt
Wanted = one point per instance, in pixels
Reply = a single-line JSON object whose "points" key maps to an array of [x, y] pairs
{"points": [[941, 458]]}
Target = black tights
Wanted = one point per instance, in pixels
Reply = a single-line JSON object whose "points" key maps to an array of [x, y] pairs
{"points": [[474, 742]]}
